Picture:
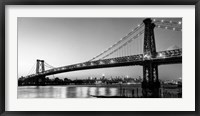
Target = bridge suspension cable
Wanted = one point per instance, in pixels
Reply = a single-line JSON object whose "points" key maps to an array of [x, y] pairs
{"points": [[169, 27], [120, 47], [48, 65], [120, 41], [168, 22], [31, 71]]}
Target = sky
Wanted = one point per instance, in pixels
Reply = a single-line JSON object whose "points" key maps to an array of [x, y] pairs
{"points": [[66, 41]]}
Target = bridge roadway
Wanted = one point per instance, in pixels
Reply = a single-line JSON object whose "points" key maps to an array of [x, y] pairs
{"points": [[162, 57]]}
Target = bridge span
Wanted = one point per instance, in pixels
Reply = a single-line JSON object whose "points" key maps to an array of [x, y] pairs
{"points": [[163, 57], [150, 59]]}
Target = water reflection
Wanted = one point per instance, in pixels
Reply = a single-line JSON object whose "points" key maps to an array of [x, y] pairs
{"points": [[69, 91], [113, 91], [92, 91], [102, 91]]}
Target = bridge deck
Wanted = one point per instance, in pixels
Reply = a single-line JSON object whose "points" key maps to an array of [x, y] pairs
{"points": [[163, 57]]}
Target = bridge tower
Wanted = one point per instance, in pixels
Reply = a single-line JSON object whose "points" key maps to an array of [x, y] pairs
{"points": [[150, 84], [40, 80]]}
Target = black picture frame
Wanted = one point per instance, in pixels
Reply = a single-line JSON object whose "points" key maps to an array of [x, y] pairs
{"points": [[3, 3]]}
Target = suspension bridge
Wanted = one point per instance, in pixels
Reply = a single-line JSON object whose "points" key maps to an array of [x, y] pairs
{"points": [[120, 54]]}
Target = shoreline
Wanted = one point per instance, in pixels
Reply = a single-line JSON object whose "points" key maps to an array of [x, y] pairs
{"points": [[103, 85]]}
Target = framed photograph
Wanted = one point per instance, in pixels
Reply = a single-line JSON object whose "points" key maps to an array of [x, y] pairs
{"points": [[121, 56]]}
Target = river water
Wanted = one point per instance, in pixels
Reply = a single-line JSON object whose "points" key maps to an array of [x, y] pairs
{"points": [[77, 91]]}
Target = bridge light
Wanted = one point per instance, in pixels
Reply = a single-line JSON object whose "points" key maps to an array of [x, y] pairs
{"points": [[160, 55], [146, 56], [112, 61]]}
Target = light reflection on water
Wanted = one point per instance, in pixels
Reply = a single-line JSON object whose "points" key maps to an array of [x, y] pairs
{"points": [[66, 91]]}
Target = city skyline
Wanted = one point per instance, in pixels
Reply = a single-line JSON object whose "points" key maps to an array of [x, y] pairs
{"points": [[65, 41]]}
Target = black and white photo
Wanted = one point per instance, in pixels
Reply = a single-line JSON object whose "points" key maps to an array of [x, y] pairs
{"points": [[99, 57]]}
